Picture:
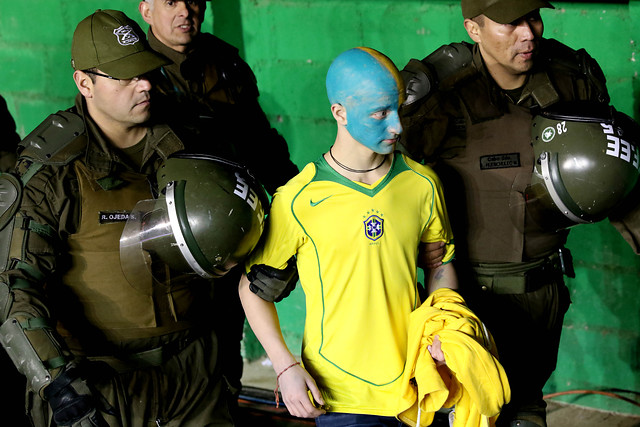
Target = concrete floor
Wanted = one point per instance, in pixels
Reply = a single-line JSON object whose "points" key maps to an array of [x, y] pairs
{"points": [[565, 415], [260, 374]]}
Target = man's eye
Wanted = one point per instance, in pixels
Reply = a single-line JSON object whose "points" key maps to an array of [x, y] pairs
{"points": [[379, 115]]}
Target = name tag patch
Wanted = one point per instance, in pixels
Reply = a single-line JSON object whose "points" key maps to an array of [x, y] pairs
{"points": [[500, 161], [112, 217]]}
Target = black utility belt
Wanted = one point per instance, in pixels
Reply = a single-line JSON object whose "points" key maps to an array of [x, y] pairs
{"points": [[524, 277], [154, 357]]}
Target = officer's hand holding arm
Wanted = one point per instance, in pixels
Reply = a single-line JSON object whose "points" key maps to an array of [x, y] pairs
{"points": [[294, 381], [430, 255], [272, 284]]}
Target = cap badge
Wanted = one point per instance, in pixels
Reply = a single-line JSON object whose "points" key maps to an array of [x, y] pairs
{"points": [[126, 35]]}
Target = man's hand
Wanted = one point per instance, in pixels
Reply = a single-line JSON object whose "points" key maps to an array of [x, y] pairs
{"points": [[430, 255], [295, 384], [272, 284], [74, 402]]}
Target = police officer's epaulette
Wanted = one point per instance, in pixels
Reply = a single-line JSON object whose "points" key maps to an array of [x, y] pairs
{"points": [[558, 56]]}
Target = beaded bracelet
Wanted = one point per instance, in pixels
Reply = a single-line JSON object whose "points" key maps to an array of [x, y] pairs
{"points": [[278, 384]]}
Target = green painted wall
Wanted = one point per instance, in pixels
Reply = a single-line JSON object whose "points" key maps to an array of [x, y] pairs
{"points": [[290, 45]]}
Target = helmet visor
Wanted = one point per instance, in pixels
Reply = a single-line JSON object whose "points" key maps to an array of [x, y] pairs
{"points": [[149, 247]]}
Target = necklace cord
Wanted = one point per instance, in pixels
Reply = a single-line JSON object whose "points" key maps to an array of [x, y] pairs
{"points": [[347, 168]]}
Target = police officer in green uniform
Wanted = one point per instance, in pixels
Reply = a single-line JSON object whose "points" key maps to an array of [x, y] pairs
{"points": [[469, 111], [97, 347], [215, 89], [216, 95], [14, 405]]}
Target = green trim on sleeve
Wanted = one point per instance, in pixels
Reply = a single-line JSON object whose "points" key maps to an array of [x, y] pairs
{"points": [[43, 230], [20, 284], [31, 171], [55, 363], [37, 323], [31, 271]]}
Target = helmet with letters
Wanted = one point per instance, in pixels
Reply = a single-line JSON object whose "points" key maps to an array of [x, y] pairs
{"points": [[208, 216], [586, 162]]}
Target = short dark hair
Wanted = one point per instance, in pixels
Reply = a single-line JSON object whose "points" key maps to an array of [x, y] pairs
{"points": [[93, 77], [479, 20]]}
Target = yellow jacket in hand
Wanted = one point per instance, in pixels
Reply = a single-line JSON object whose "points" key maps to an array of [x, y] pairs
{"points": [[472, 379]]}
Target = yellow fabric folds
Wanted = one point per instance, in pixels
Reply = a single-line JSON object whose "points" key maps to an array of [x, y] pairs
{"points": [[473, 380]]}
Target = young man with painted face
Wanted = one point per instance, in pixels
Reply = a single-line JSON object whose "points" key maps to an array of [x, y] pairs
{"points": [[469, 112], [356, 220]]}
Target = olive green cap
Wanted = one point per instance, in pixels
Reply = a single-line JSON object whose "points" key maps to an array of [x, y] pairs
{"points": [[501, 11], [114, 43]]}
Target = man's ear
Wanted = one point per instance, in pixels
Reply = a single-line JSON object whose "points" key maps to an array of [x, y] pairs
{"points": [[473, 29], [84, 83], [339, 113], [145, 11]]}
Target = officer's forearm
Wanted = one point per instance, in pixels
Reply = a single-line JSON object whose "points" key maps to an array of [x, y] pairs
{"points": [[27, 332]]}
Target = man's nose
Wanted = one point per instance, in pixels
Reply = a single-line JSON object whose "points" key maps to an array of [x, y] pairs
{"points": [[143, 83], [526, 30], [182, 8], [394, 125]]}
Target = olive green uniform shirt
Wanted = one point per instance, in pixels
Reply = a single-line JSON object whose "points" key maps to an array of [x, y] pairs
{"points": [[212, 91]]}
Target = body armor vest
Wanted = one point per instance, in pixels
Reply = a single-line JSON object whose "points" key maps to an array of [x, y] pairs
{"points": [[488, 156], [491, 213], [119, 310]]}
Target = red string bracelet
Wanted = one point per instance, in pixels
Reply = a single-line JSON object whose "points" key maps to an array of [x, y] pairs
{"points": [[278, 384]]}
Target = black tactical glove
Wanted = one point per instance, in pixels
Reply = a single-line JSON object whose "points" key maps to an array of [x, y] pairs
{"points": [[272, 284], [419, 80], [73, 401]]}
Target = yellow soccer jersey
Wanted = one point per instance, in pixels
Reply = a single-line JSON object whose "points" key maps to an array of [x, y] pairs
{"points": [[356, 248]]}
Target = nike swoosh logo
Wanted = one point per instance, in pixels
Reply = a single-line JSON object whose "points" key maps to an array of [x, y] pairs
{"points": [[313, 204]]}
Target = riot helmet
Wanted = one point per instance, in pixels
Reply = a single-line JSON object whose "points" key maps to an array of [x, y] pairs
{"points": [[586, 163], [208, 216]]}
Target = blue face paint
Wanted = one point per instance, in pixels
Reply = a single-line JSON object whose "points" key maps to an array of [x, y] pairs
{"points": [[372, 119], [368, 85]]}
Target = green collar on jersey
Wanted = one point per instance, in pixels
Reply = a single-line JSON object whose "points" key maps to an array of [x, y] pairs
{"points": [[324, 172]]}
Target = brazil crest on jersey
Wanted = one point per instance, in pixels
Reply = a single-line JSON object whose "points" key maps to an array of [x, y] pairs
{"points": [[356, 248]]}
